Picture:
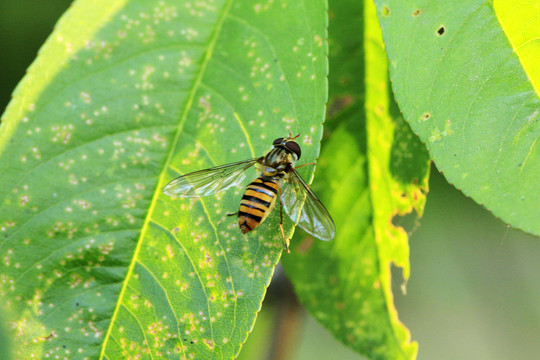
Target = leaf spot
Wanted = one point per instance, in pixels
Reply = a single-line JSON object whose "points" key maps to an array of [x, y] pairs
{"points": [[425, 116], [85, 97], [318, 40], [441, 31]]}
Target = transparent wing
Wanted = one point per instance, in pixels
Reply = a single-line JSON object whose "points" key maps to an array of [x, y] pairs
{"points": [[209, 181], [305, 209]]}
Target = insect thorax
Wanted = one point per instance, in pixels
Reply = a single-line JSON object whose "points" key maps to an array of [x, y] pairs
{"points": [[277, 162]]}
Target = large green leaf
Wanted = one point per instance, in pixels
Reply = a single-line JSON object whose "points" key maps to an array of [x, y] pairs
{"points": [[124, 96], [471, 96], [372, 168]]}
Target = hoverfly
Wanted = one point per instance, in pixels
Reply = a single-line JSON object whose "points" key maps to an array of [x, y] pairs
{"points": [[278, 176]]}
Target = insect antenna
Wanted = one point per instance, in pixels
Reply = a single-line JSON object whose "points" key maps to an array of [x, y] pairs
{"points": [[293, 137]]}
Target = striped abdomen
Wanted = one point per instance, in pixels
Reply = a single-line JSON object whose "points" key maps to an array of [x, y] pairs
{"points": [[257, 202]]}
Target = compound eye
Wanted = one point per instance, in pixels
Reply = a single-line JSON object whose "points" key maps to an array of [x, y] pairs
{"points": [[294, 147], [278, 141]]}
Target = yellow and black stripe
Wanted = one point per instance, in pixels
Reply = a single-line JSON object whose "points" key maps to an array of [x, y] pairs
{"points": [[257, 202]]}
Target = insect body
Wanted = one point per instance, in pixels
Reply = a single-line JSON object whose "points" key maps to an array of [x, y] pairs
{"points": [[278, 179], [257, 202]]}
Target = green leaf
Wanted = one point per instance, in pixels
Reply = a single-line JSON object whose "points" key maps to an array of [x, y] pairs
{"points": [[520, 24], [372, 168], [123, 97], [472, 97]]}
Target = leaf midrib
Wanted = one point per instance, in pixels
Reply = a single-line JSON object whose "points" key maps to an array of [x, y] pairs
{"points": [[196, 84]]}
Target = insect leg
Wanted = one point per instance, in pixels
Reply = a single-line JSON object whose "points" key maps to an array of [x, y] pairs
{"points": [[298, 167], [281, 222], [227, 214]]}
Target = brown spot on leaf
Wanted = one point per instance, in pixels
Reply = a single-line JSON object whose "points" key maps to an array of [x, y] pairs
{"points": [[209, 343], [339, 104]]}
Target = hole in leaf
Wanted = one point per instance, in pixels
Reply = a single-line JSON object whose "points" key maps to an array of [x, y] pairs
{"points": [[410, 221], [425, 116], [416, 12], [441, 31], [399, 285]]}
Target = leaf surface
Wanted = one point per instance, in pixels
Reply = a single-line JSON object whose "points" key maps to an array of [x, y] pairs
{"points": [[466, 79], [520, 24], [125, 96], [372, 168]]}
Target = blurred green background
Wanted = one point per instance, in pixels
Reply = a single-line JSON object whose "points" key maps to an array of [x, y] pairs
{"points": [[474, 291]]}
